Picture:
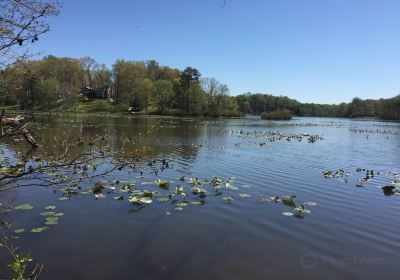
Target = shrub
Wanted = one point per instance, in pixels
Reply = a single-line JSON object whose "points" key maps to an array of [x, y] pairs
{"points": [[283, 114]]}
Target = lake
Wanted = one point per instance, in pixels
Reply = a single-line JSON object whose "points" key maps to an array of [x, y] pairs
{"points": [[230, 199]]}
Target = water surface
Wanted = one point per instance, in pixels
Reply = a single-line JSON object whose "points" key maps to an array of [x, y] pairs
{"points": [[352, 233]]}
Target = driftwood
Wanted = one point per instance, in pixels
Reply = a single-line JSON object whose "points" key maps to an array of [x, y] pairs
{"points": [[18, 126], [152, 128], [12, 121]]}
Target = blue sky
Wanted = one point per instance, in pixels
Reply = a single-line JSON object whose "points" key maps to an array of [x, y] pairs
{"points": [[323, 51]]}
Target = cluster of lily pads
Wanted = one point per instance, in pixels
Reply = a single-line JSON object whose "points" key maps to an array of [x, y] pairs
{"points": [[391, 189], [394, 187], [273, 136], [267, 136], [342, 175], [186, 191], [51, 217], [289, 201], [308, 124], [335, 174], [378, 131]]}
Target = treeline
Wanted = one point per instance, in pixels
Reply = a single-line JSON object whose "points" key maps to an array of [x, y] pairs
{"points": [[147, 87], [142, 85], [258, 103]]}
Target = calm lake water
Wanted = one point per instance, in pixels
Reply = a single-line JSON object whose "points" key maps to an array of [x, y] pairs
{"points": [[352, 233]]}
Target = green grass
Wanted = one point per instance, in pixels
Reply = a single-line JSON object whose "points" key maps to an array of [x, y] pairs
{"points": [[94, 106]]}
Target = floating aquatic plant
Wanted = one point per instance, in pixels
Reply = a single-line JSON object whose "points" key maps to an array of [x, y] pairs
{"points": [[39, 229], [48, 213], [289, 214], [26, 206]]}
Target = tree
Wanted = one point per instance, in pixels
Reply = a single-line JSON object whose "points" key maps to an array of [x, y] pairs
{"points": [[187, 76], [153, 70], [46, 93], [102, 76], [216, 93], [88, 64], [21, 23], [163, 95]]}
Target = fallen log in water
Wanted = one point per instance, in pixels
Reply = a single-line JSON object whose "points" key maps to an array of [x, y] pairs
{"points": [[18, 126], [12, 121]]}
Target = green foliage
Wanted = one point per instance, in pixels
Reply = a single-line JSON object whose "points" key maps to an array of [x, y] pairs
{"points": [[147, 87], [388, 109], [282, 114], [19, 260], [19, 265], [164, 95], [46, 93]]}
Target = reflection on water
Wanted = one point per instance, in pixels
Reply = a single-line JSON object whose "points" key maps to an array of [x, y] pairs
{"points": [[350, 233]]}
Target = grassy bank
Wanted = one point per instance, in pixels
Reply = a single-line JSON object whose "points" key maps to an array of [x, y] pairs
{"points": [[107, 107]]}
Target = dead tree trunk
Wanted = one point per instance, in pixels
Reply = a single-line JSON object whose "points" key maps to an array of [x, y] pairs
{"points": [[18, 127]]}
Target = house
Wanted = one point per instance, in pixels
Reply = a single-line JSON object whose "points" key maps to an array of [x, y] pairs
{"points": [[95, 93]]}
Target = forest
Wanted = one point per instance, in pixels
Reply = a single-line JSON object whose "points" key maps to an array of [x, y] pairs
{"points": [[55, 83]]}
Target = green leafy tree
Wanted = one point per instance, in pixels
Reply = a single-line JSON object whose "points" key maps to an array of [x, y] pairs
{"points": [[163, 95], [188, 77]]}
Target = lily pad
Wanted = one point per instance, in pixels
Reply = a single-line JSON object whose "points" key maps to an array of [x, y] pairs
{"points": [[134, 199], [99, 196], [179, 209], [244, 195], [164, 185], [183, 204], [289, 214], [230, 186], [310, 203], [288, 202], [24, 207], [146, 200], [50, 207], [59, 214], [19, 230], [275, 198], [163, 199], [48, 213], [147, 193], [39, 229], [118, 197], [228, 198], [63, 198], [196, 203], [125, 188]]}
